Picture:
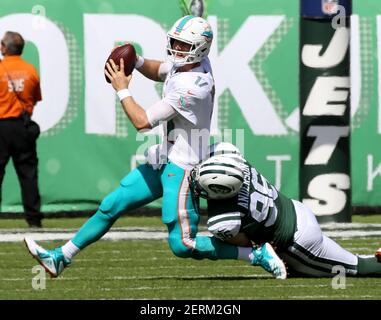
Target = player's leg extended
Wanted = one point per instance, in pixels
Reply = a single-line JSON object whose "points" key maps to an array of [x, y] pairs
{"points": [[314, 254], [139, 187], [181, 216]]}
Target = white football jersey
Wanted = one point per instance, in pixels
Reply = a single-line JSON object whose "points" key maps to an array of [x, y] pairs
{"points": [[191, 95]]}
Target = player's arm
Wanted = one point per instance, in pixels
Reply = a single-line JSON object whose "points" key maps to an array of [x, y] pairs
{"points": [[225, 224], [226, 227], [140, 118], [152, 69]]}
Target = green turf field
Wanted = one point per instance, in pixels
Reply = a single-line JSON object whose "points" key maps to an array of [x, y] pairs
{"points": [[75, 223], [134, 221], [146, 269]]}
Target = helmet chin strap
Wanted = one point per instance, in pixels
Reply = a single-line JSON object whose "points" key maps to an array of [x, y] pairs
{"points": [[178, 62]]}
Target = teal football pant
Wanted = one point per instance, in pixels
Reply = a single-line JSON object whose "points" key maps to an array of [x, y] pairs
{"points": [[179, 212]]}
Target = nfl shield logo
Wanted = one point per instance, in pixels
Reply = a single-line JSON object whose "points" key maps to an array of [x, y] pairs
{"points": [[330, 6]]}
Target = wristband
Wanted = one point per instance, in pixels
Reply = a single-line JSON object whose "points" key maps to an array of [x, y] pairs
{"points": [[139, 62], [124, 93]]}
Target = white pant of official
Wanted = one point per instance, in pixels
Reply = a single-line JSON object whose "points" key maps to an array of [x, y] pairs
{"points": [[313, 253]]}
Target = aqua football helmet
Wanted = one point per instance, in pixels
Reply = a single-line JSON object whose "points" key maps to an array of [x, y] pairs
{"points": [[195, 31]]}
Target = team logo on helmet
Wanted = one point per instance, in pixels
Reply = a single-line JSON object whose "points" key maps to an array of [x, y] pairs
{"points": [[218, 177], [217, 188]]}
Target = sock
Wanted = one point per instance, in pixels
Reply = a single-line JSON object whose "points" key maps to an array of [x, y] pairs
{"points": [[244, 253], [69, 250], [368, 265]]}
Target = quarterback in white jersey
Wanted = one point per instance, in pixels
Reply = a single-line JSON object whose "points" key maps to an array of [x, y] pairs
{"points": [[186, 109], [191, 95]]}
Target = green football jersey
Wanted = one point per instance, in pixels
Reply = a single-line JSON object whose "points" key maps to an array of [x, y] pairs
{"points": [[266, 214]]}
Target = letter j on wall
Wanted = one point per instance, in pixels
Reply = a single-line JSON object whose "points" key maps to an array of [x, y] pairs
{"points": [[324, 81]]}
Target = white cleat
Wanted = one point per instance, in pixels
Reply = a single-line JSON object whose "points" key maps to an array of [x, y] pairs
{"points": [[53, 261]]}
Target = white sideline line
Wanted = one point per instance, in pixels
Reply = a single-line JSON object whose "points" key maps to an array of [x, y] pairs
{"points": [[348, 234], [349, 226], [18, 235], [111, 235]]}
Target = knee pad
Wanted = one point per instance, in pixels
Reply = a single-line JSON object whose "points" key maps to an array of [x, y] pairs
{"points": [[112, 204]]}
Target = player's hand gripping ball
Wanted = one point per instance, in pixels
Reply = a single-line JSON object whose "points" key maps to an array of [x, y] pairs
{"points": [[128, 53]]}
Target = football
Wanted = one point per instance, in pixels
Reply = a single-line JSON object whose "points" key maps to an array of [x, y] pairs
{"points": [[128, 53]]}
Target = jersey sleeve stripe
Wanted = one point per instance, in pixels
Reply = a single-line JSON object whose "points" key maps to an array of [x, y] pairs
{"points": [[183, 214], [224, 217]]}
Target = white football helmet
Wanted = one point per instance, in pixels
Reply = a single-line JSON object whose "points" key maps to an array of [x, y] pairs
{"points": [[218, 177], [225, 149], [192, 30]]}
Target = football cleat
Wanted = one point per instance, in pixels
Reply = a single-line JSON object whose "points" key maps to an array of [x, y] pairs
{"points": [[378, 255], [53, 261], [265, 256]]}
